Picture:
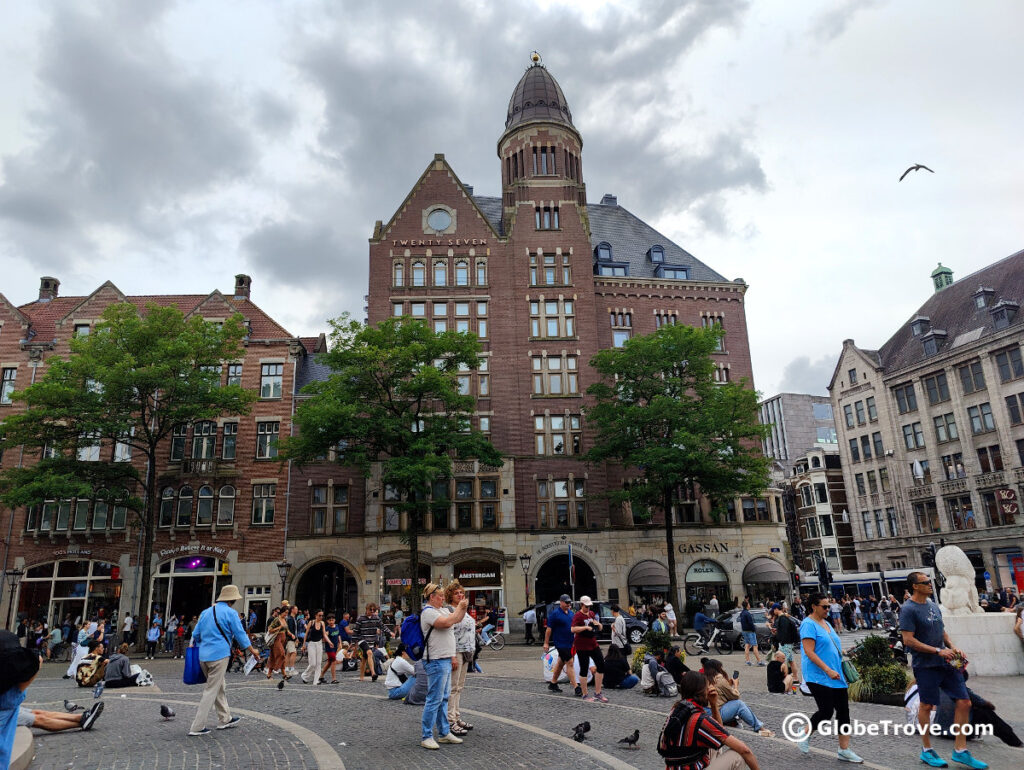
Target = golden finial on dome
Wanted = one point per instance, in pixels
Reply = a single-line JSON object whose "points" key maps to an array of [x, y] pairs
{"points": [[535, 57]]}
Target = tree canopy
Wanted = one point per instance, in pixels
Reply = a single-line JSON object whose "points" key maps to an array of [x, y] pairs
{"points": [[660, 412], [394, 398], [126, 384]]}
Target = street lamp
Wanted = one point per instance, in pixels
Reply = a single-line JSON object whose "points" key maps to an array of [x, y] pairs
{"points": [[282, 570], [524, 562], [14, 576]]}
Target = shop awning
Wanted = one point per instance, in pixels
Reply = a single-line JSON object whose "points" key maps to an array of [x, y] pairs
{"points": [[765, 570], [705, 571], [649, 576]]}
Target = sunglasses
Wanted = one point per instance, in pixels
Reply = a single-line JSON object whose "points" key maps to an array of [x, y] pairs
{"points": [[924, 583]]}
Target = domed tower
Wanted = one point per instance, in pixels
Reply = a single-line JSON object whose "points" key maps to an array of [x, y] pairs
{"points": [[540, 149], [942, 277]]}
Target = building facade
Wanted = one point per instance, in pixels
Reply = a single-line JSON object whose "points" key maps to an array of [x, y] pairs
{"points": [[797, 422], [931, 429]]}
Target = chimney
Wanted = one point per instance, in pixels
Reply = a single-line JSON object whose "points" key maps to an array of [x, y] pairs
{"points": [[48, 286], [609, 200], [243, 285]]}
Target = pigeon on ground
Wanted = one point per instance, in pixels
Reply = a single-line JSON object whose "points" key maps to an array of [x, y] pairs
{"points": [[97, 691], [166, 711], [631, 740], [280, 685], [579, 731], [71, 707], [915, 167]]}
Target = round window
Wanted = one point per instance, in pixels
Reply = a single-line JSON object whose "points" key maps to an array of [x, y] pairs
{"points": [[439, 220]]}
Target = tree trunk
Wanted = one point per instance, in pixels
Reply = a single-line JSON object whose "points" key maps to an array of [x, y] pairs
{"points": [[148, 519], [414, 554], [673, 587]]}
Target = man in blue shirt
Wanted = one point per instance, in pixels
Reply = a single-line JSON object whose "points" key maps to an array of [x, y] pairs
{"points": [[749, 632], [700, 622], [217, 627], [559, 633]]}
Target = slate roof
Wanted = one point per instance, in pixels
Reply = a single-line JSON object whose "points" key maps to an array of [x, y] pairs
{"points": [[310, 370], [44, 315], [537, 96], [953, 311], [628, 235]]}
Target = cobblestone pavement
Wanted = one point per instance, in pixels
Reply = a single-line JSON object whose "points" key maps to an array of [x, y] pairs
{"points": [[519, 724]]}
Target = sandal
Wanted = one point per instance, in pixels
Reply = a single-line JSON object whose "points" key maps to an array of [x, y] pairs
{"points": [[464, 725], [456, 730]]}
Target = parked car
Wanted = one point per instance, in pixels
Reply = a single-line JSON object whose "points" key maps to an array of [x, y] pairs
{"points": [[729, 622], [635, 628]]}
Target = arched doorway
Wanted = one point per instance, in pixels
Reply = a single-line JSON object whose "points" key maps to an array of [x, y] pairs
{"points": [[328, 586], [553, 579]]}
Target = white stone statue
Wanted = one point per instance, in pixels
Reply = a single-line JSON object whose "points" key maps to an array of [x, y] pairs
{"points": [[959, 595]]}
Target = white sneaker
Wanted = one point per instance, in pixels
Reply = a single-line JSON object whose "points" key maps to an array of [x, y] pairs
{"points": [[429, 743], [449, 738]]}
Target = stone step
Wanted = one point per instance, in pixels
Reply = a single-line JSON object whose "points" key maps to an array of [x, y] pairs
{"points": [[24, 749]]}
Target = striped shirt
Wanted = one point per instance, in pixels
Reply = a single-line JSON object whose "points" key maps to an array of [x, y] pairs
{"points": [[689, 728]]}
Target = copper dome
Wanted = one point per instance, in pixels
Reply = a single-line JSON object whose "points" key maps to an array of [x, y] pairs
{"points": [[537, 97]]}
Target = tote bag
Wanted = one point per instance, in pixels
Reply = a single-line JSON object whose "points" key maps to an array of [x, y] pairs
{"points": [[193, 673]]}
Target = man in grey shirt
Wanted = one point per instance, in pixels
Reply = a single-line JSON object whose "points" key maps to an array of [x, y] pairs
{"points": [[440, 660]]}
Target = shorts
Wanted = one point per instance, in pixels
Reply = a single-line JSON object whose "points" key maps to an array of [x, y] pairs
{"points": [[564, 654], [289, 647], [331, 655], [933, 679], [25, 717], [585, 656], [750, 637], [787, 650]]}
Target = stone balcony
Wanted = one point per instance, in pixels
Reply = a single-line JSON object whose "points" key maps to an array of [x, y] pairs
{"points": [[989, 480], [920, 491], [952, 485]]}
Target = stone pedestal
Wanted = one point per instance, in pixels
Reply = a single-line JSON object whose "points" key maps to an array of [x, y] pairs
{"points": [[988, 640]]}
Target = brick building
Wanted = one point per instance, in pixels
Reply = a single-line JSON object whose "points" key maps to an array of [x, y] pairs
{"points": [[223, 492], [931, 429], [545, 280]]}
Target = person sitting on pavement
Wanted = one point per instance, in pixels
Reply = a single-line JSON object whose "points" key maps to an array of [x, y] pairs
{"points": [[693, 736], [616, 671], [92, 668], [401, 676], [729, 698], [119, 670], [57, 721], [983, 712], [779, 678], [655, 680], [674, 664]]}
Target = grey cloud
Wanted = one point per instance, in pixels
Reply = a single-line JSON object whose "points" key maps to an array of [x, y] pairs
{"points": [[801, 375], [272, 115], [833, 23]]}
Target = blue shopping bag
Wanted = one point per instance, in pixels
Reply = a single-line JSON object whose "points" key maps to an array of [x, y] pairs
{"points": [[193, 671]]}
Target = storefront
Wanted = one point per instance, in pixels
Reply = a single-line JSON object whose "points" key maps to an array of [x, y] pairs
{"points": [[706, 578], [648, 583], [75, 588], [483, 582], [1010, 568], [187, 585], [764, 579], [396, 588]]}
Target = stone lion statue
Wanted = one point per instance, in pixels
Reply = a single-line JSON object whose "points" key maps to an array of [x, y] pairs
{"points": [[959, 596]]}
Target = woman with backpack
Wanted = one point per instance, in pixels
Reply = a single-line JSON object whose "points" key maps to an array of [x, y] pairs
{"points": [[692, 740]]}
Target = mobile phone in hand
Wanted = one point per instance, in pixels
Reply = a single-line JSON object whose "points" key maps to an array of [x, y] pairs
{"points": [[736, 674]]}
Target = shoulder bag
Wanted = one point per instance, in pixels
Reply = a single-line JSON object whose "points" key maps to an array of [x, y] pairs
{"points": [[850, 672]]}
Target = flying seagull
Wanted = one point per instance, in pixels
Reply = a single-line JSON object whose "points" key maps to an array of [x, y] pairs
{"points": [[915, 167], [166, 711]]}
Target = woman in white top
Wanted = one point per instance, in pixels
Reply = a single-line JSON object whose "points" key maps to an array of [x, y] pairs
{"points": [[465, 647], [671, 613], [401, 666]]}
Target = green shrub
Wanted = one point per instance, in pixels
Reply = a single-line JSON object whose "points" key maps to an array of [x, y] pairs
{"points": [[657, 640], [873, 651], [637, 663], [887, 679], [861, 690]]}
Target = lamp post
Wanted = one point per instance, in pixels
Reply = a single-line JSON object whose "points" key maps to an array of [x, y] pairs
{"points": [[282, 569], [14, 577], [524, 562]]}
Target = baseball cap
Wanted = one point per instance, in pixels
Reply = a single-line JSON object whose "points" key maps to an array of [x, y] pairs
{"points": [[565, 598], [586, 601], [776, 606]]}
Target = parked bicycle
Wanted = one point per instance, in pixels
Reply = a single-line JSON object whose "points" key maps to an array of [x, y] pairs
{"points": [[697, 643]]}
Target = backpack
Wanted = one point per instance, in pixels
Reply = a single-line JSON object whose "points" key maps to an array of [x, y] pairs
{"points": [[669, 746], [412, 635]]}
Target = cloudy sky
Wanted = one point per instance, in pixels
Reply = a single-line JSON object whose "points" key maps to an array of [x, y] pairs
{"points": [[169, 145]]}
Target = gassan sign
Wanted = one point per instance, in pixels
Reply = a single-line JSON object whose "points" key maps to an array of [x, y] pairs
{"points": [[685, 548]]}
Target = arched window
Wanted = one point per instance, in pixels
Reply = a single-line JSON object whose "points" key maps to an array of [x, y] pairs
{"points": [[604, 251], [462, 273], [440, 273], [399, 274], [204, 511], [815, 462], [226, 508], [657, 254], [204, 440], [419, 274], [481, 273], [166, 507], [184, 517]]}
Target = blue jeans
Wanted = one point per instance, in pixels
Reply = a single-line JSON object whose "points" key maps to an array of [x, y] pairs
{"points": [[397, 693], [439, 686], [629, 682], [737, 709], [484, 633]]}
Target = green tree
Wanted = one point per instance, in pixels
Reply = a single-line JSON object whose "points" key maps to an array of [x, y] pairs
{"points": [[393, 398], [129, 382], [659, 412]]}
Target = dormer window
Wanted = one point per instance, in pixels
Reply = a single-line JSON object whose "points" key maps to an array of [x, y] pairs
{"points": [[983, 297], [604, 251], [920, 325], [656, 254], [676, 272], [933, 341], [1004, 313]]}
